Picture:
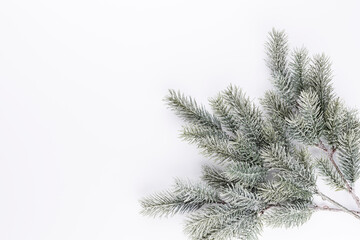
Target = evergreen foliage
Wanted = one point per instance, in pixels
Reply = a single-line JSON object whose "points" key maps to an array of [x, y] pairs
{"points": [[266, 166]]}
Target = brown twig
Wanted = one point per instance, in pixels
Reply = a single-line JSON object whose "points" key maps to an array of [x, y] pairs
{"points": [[343, 208], [327, 208], [268, 207]]}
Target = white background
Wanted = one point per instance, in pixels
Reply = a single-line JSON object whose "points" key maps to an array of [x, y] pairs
{"points": [[84, 132]]}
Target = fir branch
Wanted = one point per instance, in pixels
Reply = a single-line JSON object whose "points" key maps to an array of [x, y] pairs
{"points": [[248, 150], [166, 204], [349, 156], [330, 175], [277, 50], [246, 174], [182, 198], [241, 198], [215, 177], [276, 108], [225, 113], [276, 128], [335, 121], [219, 222], [348, 187], [197, 134], [266, 173], [247, 114], [196, 193], [280, 191], [307, 124], [289, 167], [214, 144], [277, 132], [190, 111], [288, 215], [351, 122], [299, 70], [320, 75]]}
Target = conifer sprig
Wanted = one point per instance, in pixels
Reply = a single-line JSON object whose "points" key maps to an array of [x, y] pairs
{"points": [[264, 172]]}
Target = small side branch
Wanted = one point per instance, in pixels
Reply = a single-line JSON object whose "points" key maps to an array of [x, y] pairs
{"points": [[345, 209], [331, 157], [327, 208], [355, 197]]}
